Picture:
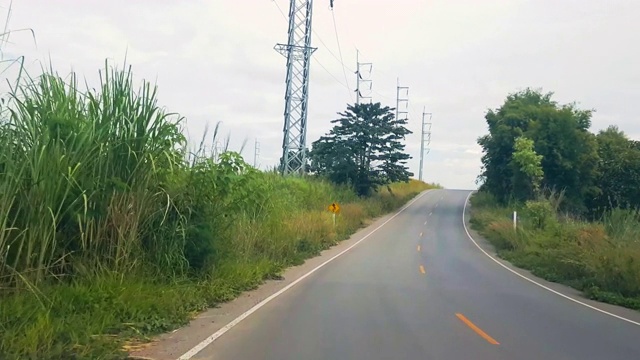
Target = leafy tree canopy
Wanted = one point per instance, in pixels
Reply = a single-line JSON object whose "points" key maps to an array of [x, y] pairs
{"points": [[560, 136], [527, 169], [619, 171], [364, 149]]}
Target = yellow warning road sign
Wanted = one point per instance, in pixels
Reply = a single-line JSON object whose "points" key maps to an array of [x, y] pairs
{"points": [[334, 208]]}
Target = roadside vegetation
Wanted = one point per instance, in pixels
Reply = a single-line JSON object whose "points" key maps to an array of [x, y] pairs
{"points": [[577, 196], [113, 229]]}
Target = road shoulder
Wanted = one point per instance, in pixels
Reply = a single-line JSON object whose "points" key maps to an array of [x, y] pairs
{"points": [[565, 290], [172, 345]]}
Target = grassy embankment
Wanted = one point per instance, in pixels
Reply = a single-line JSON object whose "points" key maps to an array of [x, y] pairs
{"points": [[111, 230], [602, 259]]}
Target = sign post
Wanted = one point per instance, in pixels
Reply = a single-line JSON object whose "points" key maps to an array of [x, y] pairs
{"points": [[334, 208]]}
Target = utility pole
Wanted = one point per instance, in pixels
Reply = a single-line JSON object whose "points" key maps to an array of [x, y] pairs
{"points": [[402, 96], [256, 153], [425, 140], [360, 80], [298, 52]]}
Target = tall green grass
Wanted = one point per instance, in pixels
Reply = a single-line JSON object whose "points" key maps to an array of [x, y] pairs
{"points": [[600, 258], [82, 178], [111, 228]]}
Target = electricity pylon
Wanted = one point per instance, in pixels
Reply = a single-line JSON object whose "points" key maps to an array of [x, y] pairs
{"points": [[298, 52], [425, 138]]}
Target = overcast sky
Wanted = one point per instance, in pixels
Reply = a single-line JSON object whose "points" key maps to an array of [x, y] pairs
{"points": [[214, 61]]}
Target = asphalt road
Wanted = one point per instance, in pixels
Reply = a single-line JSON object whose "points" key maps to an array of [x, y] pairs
{"points": [[418, 288]]}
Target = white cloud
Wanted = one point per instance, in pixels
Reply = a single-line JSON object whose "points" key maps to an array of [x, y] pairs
{"points": [[214, 61]]}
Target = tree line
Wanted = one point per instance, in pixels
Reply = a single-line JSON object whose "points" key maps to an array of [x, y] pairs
{"points": [[536, 146]]}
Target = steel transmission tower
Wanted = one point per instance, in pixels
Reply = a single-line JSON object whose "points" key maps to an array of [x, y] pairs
{"points": [[298, 52], [402, 96], [362, 81], [425, 140]]}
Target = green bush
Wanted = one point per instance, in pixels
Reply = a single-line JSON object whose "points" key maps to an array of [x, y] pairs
{"points": [[540, 213]]}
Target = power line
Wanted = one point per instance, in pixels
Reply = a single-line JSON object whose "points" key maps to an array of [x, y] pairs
{"points": [[333, 76], [382, 72], [346, 86], [376, 92], [319, 39], [339, 59], [382, 96], [329, 50], [279, 8], [344, 71]]}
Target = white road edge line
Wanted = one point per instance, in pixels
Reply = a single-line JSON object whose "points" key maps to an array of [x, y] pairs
{"points": [[464, 224], [206, 342]]}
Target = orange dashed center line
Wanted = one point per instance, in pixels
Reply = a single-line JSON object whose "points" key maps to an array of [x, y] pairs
{"points": [[478, 331]]}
